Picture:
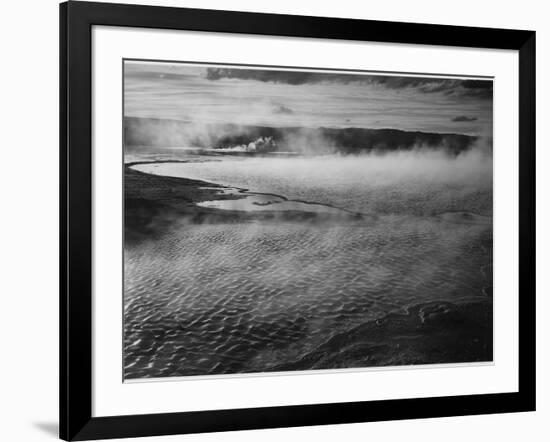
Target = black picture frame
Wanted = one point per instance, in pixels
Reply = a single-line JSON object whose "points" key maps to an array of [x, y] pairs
{"points": [[76, 21]]}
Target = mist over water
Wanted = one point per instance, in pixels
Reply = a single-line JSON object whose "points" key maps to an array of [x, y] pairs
{"points": [[411, 182], [247, 297]]}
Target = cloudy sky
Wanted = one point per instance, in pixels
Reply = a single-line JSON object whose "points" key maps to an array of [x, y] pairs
{"points": [[210, 94]]}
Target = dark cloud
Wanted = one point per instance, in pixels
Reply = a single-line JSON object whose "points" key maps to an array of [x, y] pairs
{"points": [[156, 75], [477, 84], [465, 88], [282, 110], [463, 118], [287, 77]]}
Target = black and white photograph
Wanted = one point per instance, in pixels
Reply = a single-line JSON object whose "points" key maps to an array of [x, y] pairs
{"points": [[283, 219]]}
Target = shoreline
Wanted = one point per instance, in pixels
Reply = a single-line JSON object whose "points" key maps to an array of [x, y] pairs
{"points": [[240, 190], [152, 203], [150, 198]]}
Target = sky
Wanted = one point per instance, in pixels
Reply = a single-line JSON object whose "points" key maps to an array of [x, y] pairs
{"points": [[290, 98]]}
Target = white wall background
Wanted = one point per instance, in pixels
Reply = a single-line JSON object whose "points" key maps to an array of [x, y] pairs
{"points": [[29, 218]]}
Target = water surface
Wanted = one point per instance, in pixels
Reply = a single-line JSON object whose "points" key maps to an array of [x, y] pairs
{"points": [[247, 297]]}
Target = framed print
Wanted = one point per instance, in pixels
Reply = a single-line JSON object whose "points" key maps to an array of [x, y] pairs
{"points": [[272, 220]]}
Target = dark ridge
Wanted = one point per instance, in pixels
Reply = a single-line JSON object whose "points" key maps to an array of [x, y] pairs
{"points": [[158, 133]]}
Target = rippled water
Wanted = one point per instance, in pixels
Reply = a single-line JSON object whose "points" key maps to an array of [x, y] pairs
{"points": [[246, 297]]}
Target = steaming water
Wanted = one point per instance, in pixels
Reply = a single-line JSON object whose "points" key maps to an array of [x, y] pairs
{"points": [[410, 183], [246, 297]]}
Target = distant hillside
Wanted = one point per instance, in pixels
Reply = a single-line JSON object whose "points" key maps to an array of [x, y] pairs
{"points": [[162, 133]]}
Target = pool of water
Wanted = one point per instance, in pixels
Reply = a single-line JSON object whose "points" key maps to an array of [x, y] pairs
{"points": [[246, 297]]}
